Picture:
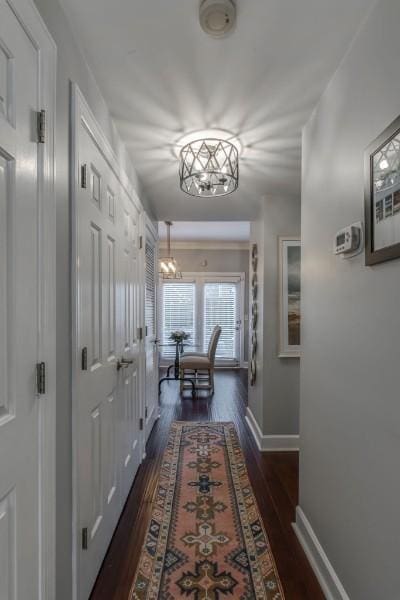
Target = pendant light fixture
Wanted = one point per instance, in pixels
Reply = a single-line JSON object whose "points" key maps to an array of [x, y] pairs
{"points": [[168, 266], [209, 167]]}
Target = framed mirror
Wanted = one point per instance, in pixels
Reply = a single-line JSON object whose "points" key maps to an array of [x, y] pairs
{"points": [[382, 196]]}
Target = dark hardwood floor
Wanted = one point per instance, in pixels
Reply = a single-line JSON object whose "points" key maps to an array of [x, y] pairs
{"points": [[274, 476]]}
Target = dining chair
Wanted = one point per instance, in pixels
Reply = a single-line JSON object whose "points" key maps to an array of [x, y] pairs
{"points": [[200, 363]]}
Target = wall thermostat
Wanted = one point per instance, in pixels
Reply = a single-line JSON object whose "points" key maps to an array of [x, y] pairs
{"points": [[348, 241]]}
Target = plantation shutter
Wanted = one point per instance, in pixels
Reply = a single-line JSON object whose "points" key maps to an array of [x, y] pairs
{"points": [[150, 291], [221, 308], [178, 313]]}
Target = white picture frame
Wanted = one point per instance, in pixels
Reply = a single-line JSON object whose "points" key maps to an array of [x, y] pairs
{"points": [[289, 251]]}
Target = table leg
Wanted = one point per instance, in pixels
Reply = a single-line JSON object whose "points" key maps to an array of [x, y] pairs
{"points": [[177, 361]]}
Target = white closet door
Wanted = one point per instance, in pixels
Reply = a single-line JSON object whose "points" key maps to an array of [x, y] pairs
{"points": [[107, 413], [151, 274], [24, 293], [129, 300]]}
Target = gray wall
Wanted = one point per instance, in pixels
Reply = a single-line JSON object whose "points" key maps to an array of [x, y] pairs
{"points": [[274, 401], [71, 67], [218, 261], [255, 393], [281, 375], [350, 403]]}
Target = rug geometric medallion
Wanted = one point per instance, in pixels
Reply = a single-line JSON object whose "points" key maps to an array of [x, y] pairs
{"points": [[205, 539]]}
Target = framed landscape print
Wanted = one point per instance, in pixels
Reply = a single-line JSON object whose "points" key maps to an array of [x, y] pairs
{"points": [[289, 296], [382, 197]]}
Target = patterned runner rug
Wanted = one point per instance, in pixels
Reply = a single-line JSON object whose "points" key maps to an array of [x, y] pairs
{"points": [[206, 539]]}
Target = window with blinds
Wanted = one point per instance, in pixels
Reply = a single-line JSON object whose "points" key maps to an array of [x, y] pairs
{"points": [[220, 307], [178, 312], [150, 291]]}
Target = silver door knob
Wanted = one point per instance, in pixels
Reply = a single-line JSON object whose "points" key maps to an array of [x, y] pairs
{"points": [[123, 363]]}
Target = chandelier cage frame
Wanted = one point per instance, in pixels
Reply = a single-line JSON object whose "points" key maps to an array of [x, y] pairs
{"points": [[209, 167]]}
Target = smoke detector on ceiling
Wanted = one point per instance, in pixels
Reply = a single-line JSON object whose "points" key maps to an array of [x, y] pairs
{"points": [[217, 17]]}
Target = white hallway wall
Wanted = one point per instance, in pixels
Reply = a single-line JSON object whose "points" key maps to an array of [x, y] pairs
{"points": [[274, 400], [350, 408], [71, 66]]}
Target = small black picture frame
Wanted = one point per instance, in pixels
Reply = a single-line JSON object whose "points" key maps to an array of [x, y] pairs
{"points": [[382, 196]]}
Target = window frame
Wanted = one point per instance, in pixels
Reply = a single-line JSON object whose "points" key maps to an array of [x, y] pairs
{"points": [[164, 358], [199, 279]]}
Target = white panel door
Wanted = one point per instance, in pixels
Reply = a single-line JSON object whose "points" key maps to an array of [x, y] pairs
{"points": [[130, 334], [23, 322], [107, 435], [152, 376]]}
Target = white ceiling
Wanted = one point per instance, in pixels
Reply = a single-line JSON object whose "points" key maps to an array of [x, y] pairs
{"points": [[199, 231], [162, 77]]}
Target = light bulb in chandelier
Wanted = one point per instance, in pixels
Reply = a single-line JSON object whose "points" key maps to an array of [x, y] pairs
{"points": [[172, 267], [164, 267]]}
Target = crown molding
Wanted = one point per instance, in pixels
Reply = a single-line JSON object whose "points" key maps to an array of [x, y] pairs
{"points": [[205, 245]]}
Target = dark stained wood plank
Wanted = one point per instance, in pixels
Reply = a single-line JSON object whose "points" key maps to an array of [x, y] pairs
{"points": [[274, 477]]}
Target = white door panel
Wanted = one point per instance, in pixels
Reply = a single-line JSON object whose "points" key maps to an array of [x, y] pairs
{"points": [[19, 481], [23, 334], [107, 438], [151, 360]]}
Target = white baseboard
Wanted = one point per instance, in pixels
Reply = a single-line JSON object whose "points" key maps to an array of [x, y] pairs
{"points": [[271, 443], [254, 428], [280, 443], [325, 573]]}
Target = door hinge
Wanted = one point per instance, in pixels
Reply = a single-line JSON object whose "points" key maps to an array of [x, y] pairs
{"points": [[84, 176], [41, 126], [140, 242], [84, 538], [140, 333], [141, 424], [84, 359], [146, 412], [41, 378]]}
